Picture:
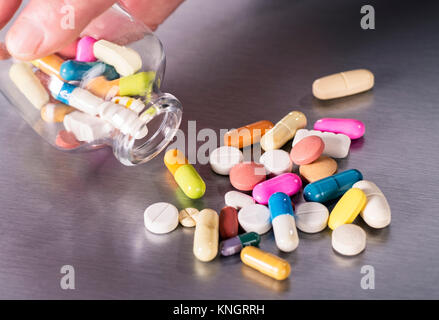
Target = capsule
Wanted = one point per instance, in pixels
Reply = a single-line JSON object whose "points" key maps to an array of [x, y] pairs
{"points": [[331, 187], [282, 219], [343, 84], [347, 208], [283, 131], [72, 70], [234, 245], [228, 223], [288, 183], [247, 135], [184, 174], [206, 235], [50, 65], [266, 263], [353, 128]]}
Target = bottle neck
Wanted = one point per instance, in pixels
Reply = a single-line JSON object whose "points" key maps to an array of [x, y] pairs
{"points": [[162, 117]]}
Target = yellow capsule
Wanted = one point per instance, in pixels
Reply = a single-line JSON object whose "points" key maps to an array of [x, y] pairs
{"points": [[283, 131], [206, 235], [184, 174], [347, 208], [265, 262], [55, 112]]}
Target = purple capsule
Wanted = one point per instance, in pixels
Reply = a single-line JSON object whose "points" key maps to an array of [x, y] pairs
{"points": [[234, 245]]}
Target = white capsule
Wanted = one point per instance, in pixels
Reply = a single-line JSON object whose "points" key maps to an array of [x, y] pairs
{"points": [[136, 105], [377, 212], [348, 239], [285, 232], [276, 161], [238, 199], [86, 127], [336, 145], [311, 217]]}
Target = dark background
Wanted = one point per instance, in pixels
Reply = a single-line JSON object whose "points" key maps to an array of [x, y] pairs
{"points": [[232, 63]]}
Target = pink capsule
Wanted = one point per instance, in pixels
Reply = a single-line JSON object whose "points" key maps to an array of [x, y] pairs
{"points": [[84, 50], [353, 128], [288, 183]]}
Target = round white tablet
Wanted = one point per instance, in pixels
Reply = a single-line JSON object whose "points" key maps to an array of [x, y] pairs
{"points": [[161, 217], [276, 161], [224, 158], [348, 239], [311, 217], [255, 218], [238, 199]]}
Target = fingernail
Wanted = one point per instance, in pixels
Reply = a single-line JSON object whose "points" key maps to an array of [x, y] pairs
{"points": [[24, 39]]}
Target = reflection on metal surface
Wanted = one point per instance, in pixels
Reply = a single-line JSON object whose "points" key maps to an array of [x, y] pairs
{"points": [[265, 281]]}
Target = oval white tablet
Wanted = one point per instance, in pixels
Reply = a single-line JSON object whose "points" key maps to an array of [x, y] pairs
{"points": [[336, 144], [161, 217], [276, 161], [311, 217], [238, 199], [377, 212], [222, 159], [255, 218], [348, 239]]}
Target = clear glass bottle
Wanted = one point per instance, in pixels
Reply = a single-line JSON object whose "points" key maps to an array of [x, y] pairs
{"points": [[161, 112]]}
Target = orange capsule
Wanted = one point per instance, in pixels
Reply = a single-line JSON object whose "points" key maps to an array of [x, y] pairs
{"points": [[103, 88], [247, 135], [49, 65]]}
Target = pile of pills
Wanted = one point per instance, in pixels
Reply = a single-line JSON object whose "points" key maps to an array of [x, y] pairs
{"points": [[263, 200], [98, 93]]}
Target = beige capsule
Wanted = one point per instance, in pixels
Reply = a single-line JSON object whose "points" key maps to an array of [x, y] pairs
{"points": [[283, 131], [343, 84], [206, 235], [55, 112], [188, 217]]}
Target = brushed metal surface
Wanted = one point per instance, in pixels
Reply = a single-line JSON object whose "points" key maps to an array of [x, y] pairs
{"points": [[231, 63]]}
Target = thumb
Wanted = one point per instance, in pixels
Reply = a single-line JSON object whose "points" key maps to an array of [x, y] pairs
{"points": [[46, 26]]}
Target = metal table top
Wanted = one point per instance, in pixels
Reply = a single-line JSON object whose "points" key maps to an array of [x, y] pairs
{"points": [[232, 63]]}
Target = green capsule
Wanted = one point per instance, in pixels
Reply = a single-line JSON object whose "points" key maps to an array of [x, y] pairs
{"points": [[139, 84]]}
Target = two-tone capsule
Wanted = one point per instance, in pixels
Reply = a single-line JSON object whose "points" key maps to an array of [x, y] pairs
{"points": [[184, 174], [331, 187], [282, 219], [72, 70], [236, 244]]}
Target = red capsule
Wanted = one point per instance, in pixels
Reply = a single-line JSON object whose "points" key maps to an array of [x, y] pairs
{"points": [[228, 222]]}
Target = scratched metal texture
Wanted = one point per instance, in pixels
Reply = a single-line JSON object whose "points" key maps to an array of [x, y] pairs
{"points": [[232, 63]]}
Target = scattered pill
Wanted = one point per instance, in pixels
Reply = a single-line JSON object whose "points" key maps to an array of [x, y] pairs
{"points": [[247, 135], [50, 65], [343, 84], [72, 70], [234, 245], [307, 150], [321, 168], [347, 208], [255, 218], [282, 219], [276, 162], [336, 145], [288, 183], [55, 112], [29, 85], [353, 128], [228, 223], [238, 199], [66, 140], [283, 131], [377, 212], [161, 217], [84, 49], [331, 187], [349, 239], [206, 235], [125, 60], [311, 217], [266, 263], [245, 175], [188, 217], [224, 158], [184, 174]]}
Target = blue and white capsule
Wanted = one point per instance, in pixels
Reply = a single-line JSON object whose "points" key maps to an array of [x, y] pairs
{"points": [[282, 219], [72, 70]]}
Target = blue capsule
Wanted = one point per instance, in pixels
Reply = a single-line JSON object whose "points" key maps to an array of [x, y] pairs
{"points": [[280, 203], [73, 70], [331, 187]]}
